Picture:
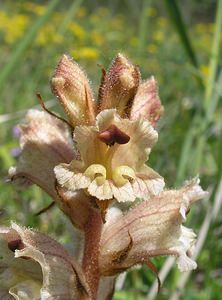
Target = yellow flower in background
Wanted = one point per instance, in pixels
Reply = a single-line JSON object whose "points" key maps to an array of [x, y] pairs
{"points": [[4, 18], [86, 53], [151, 12], [158, 36], [162, 21], [77, 30], [48, 34], [203, 42], [97, 38], [134, 41], [13, 27], [204, 69], [200, 28], [39, 9], [152, 48], [211, 27]]}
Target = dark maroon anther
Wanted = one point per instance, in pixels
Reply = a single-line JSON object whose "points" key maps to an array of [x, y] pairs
{"points": [[15, 245], [113, 135]]}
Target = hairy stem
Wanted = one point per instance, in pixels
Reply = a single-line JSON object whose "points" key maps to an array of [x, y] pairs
{"points": [[91, 251]]}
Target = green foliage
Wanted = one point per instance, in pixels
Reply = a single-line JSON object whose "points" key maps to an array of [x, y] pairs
{"points": [[186, 63]]}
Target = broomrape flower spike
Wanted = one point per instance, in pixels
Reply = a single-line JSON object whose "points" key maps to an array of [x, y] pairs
{"points": [[112, 150], [90, 164]]}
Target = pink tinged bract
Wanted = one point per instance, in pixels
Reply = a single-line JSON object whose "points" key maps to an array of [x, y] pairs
{"points": [[48, 272], [151, 229], [146, 102], [45, 142]]}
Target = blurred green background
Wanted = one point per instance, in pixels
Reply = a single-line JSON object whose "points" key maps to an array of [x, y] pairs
{"points": [[179, 42]]}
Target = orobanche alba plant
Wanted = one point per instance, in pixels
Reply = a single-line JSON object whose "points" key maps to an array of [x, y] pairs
{"points": [[94, 166]]}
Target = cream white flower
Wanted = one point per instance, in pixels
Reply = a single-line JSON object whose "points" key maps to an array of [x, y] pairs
{"points": [[111, 167]]}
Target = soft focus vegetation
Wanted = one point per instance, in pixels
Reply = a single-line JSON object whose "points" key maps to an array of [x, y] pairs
{"points": [[181, 50]]}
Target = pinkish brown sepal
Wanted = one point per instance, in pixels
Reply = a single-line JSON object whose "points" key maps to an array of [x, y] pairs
{"points": [[147, 102], [45, 142], [48, 272], [72, 88], [152, 228], [119, 85]]}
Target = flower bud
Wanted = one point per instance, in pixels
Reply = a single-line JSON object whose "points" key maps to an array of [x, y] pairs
{"points": [[147, 102], [119, 85], [71, 86]]}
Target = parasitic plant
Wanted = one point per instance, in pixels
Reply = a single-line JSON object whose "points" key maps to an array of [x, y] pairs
{"points": [[94, 166]]}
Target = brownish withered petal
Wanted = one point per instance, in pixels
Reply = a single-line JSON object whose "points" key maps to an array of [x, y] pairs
{"points": [[45, 142], [155, 228], [72, 88], [60, 278], [76, 205], [119, 85], [147, 102]]}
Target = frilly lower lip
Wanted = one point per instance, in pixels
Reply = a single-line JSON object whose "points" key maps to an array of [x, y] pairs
{"points": [[125, 186]]}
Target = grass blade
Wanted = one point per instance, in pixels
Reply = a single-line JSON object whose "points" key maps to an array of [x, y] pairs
{"points": [[179, 25], [69, 16], [213, 64], [143, 27]]}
